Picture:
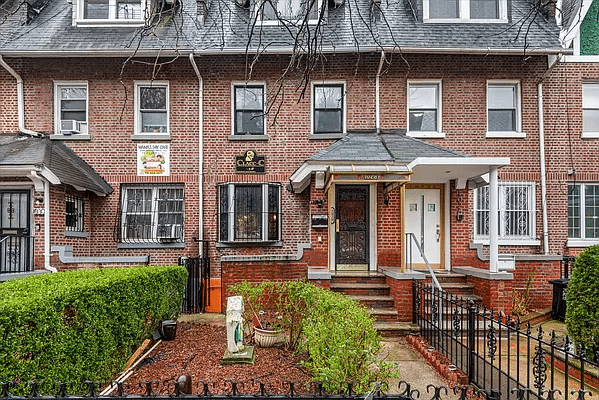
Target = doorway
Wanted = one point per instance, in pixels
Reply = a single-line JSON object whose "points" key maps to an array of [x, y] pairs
{"points": [[352, 233], [15, 239], [424, 219]]}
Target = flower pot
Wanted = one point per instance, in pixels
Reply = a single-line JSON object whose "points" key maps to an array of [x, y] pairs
{"points": [[266, 338]]}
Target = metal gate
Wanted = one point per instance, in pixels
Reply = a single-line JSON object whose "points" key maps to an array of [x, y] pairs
{"points": [[16, 244], [197, 290]]}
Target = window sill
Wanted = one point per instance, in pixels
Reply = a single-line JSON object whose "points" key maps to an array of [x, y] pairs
{"points": [[506, 135], [327, 136], [151, 136], [581, 242], [248, 137], [76, 234], [589, 135], [510, 242], [224, 245], [78, 136], [434, 135], [110, 23], [178, 245]]}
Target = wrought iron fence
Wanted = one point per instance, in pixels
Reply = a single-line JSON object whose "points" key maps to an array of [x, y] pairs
{"points": [[497, 353], [197, 290], [566, 266], [16, 253]]}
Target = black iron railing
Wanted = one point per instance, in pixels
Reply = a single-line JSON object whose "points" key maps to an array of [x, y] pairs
{"points": [[197, 290], [16, 254], [566, 266], [496, 353]]}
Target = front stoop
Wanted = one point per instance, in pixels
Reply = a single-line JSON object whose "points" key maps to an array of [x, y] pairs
{"points": [[374, 293], [456, 284]]}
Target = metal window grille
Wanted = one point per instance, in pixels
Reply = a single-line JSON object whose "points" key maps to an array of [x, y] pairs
{"points": [[74, 214], [516, 211], [152, 213], [249, 212]]}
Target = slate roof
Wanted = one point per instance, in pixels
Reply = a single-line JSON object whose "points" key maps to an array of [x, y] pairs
{"points": [[24, 150], [394, 147], [226, 28]]}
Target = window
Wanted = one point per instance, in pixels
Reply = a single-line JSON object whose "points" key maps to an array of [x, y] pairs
{"points": [[74, 214], [516, 211], [250, 212], [151, 108], [424, 107], [152, 213], [290, 10], [248, 113], [583, 211], [503, 107], [111, 12], [70, 99], [590, 108], [328, 113], [465, 10]]}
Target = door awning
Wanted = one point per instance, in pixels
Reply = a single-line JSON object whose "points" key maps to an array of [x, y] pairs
{"points": [[38, 158]]}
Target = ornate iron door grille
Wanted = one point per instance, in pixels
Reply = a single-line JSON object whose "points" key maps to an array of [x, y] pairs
{"points": [[352, 226], [15, 241]]}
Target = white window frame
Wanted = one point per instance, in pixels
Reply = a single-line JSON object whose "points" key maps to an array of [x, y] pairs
{"points": [[427, 134], [138, 120], [464, 14], [257, 10], [327, 135], [112, 20], [231, 214], [58, 85], [506, 134], [177, 231], [504, 237], [235, 85], [589, 134], [581, 241]]}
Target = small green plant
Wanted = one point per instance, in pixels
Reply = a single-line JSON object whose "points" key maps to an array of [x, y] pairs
{"points": [[336, 331], [521, 299], [582, 313]]}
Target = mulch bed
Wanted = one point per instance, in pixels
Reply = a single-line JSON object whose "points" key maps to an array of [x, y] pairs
{"points": [[197, 351]]}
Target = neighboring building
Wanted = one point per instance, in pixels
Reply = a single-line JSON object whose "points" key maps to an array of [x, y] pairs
{"points": [[416, 121]]}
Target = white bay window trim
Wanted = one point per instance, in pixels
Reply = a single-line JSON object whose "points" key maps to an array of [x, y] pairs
{"points": [[464, 14]]}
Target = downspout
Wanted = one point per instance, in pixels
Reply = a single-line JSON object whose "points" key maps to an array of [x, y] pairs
{"points": [[377, 100], [200, 155], [20, 100], [542, 154], [47, 227]]}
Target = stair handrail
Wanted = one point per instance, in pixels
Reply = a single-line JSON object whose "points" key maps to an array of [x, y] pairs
{"points": [[411, 237]]}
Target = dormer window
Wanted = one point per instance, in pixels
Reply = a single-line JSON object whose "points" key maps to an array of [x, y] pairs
{"points": [[111, 12], [465, 11], [290, 10]]}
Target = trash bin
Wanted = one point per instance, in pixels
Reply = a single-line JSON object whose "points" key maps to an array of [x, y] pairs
{"points": [[558, 306], [168, 329]]}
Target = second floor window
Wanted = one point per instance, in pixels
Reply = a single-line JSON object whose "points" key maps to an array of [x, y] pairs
{"points": [[590, 107], [503, 107], [117, 11], [248, 113], [464, 10], [328, 113], [70, 107], [151, 108], [424, 107]]}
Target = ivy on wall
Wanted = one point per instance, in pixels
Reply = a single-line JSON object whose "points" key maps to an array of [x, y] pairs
{"points": [[589, 31]]}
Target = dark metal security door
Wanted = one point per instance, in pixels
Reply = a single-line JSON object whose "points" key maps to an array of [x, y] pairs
{"points": [[15, 242], [351, 225]]}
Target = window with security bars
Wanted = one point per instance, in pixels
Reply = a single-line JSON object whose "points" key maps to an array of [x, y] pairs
{"points": [[74, 214], [152, 213], [583, 211], [249, 212], [516, 211]]}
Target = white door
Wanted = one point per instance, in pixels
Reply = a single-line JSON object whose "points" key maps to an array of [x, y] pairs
{"points": [[423, 219]]}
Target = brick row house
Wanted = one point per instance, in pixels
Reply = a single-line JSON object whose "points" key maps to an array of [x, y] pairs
{"points": [[283, 147]]}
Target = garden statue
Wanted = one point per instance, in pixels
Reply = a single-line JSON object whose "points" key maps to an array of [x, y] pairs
{"points": [[235, 324]]}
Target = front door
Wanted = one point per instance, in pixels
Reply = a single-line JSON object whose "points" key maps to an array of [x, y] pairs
{"points": [[423, 219], [351, 228], [15, 241]]}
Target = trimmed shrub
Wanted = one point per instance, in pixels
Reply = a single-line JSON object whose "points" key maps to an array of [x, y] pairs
{"points": [[85, 324], [582, 312], [335, 330]]}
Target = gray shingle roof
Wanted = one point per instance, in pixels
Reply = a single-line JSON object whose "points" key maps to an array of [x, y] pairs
{"points": [[227, 27], [23, 150]]}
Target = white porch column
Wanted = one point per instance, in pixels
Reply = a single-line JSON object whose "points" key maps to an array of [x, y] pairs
{"points": [[493, 221]]}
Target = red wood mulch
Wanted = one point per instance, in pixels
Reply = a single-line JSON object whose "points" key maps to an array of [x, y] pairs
{"points": [[197, 351]]}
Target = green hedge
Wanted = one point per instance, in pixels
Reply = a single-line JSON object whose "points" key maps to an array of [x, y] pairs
{"points": [[335, 330], [582, 312], [85, 324]]}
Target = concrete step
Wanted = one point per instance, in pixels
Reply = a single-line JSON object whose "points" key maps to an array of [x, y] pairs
{"points": [[358, 277], [361, 288], [384, 314], [372, 301], [396, 329]]}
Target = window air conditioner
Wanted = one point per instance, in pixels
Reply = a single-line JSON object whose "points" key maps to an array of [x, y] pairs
{"points": [[70, 126], [168, 233]]}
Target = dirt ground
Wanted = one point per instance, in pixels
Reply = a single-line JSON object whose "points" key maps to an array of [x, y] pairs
{"points": [[197, 351]]}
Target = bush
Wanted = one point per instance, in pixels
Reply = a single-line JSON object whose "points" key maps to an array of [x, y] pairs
{"points": [[582, 313], [85, 324], [336, 331]]}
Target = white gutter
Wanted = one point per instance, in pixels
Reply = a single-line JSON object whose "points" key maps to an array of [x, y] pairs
{"points": [[20, 100], [37, 180], [201, 154], [377, 100]]}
